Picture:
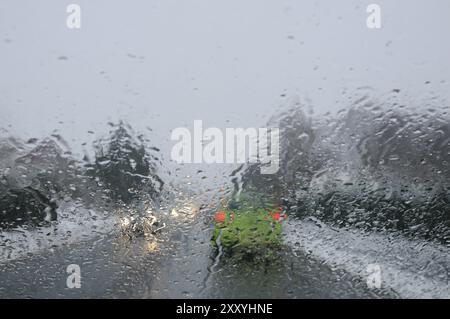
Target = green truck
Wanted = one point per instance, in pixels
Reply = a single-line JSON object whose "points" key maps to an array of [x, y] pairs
{"points": [[250, 226]]}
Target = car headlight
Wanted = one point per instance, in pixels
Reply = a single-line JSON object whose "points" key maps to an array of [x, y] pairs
{"points": [[125, 222]]}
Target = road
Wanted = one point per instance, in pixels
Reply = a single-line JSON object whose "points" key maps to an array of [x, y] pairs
{"points": [[182, 266]]}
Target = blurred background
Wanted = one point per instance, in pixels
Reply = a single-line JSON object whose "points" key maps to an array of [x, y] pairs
{"points": [[85, 122]]}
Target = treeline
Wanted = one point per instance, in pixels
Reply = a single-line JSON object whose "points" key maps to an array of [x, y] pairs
{"points": [[37, 175], [375, 166]]}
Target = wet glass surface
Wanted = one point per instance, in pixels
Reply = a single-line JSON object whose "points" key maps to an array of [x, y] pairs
{"points": [[359, 206]]}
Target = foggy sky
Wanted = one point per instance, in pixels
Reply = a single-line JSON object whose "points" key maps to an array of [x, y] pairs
{"points": [[163, 64]]}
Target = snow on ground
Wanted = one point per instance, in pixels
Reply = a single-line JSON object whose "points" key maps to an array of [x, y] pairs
{"points": [[412, 268]]}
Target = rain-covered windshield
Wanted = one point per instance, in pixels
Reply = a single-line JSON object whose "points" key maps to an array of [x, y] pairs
{"points": [[224, 149]]}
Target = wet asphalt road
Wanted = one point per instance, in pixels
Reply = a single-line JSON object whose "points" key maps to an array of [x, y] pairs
{"points": [[112, 267]]}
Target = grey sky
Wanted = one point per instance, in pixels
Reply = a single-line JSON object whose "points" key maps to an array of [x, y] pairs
{"points": [[165, 63]]}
